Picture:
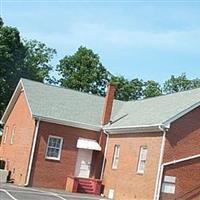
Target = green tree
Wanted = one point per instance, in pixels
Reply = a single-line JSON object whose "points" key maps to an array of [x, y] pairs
{"points": [[151, 89], [136, 89], [195, 83], [127, 90], [37, 62], [83, 71], [122, 88], [20, 59], [177, 84], [12, 53]]}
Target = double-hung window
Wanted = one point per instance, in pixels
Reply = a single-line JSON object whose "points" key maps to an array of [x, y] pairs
{"points": [[12, 134], [116, 156], [5, 134], [168, 185], [142, 159], [54, 147]]}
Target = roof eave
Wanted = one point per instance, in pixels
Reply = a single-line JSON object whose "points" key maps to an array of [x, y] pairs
{"points": [[68, 123], [11, 102], [182, 113], [135, 129]]}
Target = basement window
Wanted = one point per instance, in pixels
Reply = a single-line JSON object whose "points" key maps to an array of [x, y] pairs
{"points": [[12, 135], [54, 147], [142, 159], [168, 185], [116, 157], [5, 134]]}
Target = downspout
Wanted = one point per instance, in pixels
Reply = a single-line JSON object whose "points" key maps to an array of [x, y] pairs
{"points": [[107, 111], [32, 153], [105, 153], [160, 182], [160, 167]]}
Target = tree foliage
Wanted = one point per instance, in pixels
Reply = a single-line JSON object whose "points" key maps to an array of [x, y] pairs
{"points": [[151, 89], [83, 71], [12, 53], [37, 60], [195, 83], [127, 90], [180, 83], [29, 59], [177, 84]]}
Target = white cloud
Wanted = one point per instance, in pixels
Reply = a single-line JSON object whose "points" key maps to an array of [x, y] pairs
{"points": [[90, 34]]}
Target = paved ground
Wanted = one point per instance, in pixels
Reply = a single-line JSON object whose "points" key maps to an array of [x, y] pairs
{"points": [[12, 192]]}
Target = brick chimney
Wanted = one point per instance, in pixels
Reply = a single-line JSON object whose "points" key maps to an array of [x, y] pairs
{"points": [[108, 103]]}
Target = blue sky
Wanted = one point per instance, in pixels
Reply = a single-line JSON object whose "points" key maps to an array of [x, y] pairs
{"points": [[137, 39]]}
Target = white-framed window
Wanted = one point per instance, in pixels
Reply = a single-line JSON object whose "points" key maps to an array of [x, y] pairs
{"points": [[168, 185], [54, 147], [116, 156], [142, 159], [12, 134], [5, 134]]}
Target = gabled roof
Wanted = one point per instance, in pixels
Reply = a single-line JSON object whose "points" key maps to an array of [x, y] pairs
{"points": [[57, 104], [70, 107]]}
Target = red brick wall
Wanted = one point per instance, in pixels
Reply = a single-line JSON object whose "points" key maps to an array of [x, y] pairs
{"points": [[17, 154], [187, 180], [125, 180], [183, 140], [51, 173]]}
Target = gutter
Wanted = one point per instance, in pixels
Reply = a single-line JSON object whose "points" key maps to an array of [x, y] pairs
{"points": [[105, 153], [181, 160], [69, 123], [32, 153], [135, 129]]}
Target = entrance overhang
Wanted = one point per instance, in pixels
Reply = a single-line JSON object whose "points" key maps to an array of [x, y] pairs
{"points": [[84, 143]]}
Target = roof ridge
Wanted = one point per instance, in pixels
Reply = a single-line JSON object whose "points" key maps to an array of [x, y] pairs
{"points": [[86, 93], [164, 95], [62, 87]]}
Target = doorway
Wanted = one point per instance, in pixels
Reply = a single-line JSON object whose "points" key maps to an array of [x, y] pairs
{"points": [[83, 163]]}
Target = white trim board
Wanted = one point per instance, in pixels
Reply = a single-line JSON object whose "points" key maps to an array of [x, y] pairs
{"points": [[135, 129], [182, 113], [110, 129], [29, 107], [32, 152], [69, 123], [11, 102]]}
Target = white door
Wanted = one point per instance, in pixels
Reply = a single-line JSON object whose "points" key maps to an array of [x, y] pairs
{"points": [[83, 163]]}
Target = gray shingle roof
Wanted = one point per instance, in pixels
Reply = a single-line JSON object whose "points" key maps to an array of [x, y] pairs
{"points": [[156, 110], [65, 104], [70, 105]]}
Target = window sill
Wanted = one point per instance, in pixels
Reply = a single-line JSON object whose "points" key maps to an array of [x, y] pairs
{"points": [[114, 168], [52, 158], [140, 173]]}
